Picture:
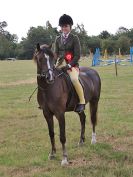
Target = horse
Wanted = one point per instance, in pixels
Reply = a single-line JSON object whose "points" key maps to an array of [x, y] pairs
{"points": [[54, 93]]}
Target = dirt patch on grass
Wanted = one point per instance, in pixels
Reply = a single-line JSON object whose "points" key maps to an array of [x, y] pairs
{"points": [[79, 162], [20, 82], [24, 171], [121, 143]]}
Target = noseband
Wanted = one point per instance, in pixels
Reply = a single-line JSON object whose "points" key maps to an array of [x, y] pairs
{"points": [[43, 75]]}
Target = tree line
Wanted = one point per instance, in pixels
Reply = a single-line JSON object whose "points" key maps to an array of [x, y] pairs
{"points": [[10, 47]]}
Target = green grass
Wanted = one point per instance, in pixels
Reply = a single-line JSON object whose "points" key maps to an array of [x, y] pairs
{"points": [[24, 141]]}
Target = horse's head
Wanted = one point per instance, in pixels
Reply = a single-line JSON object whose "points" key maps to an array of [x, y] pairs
{"points": [[44, 58]]}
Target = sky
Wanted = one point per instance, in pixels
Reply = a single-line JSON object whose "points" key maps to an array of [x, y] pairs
{"points": [[96, 15]]}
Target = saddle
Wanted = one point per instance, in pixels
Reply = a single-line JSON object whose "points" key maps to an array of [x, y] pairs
{"points": [[73, 97]]}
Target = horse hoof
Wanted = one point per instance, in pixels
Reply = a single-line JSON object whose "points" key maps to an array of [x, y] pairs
{"points": [[64, 162], [51, 156], [93, 141], [81, 143]]}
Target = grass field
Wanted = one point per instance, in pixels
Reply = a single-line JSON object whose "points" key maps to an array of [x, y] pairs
{"points": [[24, 141]]}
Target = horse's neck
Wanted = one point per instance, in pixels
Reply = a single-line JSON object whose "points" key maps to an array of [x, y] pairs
{"points": [[42, 84]]}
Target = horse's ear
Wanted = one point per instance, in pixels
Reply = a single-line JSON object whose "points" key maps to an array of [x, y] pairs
{"points": [[38, 47]]}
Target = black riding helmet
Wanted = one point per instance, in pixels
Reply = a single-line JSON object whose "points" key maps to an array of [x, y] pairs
{"points": [[65, 20]]}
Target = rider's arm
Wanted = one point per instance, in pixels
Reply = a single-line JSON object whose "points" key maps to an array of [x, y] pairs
{"points": [[77, 51]]}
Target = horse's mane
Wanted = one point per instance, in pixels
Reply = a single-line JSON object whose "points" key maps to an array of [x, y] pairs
{"points": [[43, 48]]}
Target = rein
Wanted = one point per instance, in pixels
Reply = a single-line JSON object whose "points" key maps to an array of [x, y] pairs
{"points": [[32, 93]]}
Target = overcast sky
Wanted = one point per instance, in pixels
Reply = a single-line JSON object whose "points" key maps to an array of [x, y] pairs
{"points": [[96, 15]]}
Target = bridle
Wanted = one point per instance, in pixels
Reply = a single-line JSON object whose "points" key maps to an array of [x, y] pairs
{"points": [[44, 73]]}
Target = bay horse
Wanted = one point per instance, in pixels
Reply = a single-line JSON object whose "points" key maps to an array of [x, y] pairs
{"points": [[54, 93]]}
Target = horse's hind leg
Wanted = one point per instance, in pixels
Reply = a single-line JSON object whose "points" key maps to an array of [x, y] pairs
{"points": [[93, 114], [82, 121], [50, 122]]}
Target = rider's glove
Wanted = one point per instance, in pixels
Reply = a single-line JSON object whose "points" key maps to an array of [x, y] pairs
{"points": [[67, 67]]}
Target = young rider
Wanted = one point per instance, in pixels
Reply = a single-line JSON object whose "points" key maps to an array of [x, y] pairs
{"points": [[67, 52]]}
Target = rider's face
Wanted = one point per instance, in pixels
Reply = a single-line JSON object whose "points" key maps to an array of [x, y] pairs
{"points": [[66, 29]]}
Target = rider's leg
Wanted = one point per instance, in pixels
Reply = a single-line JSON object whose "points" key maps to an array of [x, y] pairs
{"points": [[74, 74]]}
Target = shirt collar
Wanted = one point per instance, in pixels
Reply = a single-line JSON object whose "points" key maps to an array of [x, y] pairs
{"points": [[65, 35]]}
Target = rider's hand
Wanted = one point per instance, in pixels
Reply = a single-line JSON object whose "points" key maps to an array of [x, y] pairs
{"points": [[67, 67]]}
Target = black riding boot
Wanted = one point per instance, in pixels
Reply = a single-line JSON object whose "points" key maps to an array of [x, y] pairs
{"points": [[80, 107]]}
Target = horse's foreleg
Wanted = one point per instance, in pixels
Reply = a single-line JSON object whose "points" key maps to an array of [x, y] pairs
{"points": [[50, 122], [93, 113], [61, 119], [82, 117]]}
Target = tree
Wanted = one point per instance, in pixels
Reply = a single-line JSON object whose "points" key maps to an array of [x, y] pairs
{"points": [[2, 26], [40, 34], [121, 30], [7, 42], [124, 44], [130, 36], [93, 42], [108, 44], [80, 31], [46, 35], [104, 35]]}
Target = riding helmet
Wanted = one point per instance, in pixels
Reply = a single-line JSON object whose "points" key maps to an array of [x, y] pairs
{"points": [[65, 20]]}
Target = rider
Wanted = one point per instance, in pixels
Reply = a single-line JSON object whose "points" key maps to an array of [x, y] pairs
{"points": [[67, 52]]}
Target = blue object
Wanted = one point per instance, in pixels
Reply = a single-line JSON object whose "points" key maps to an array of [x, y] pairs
{"points": [[96, 58], [131, 54]]}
